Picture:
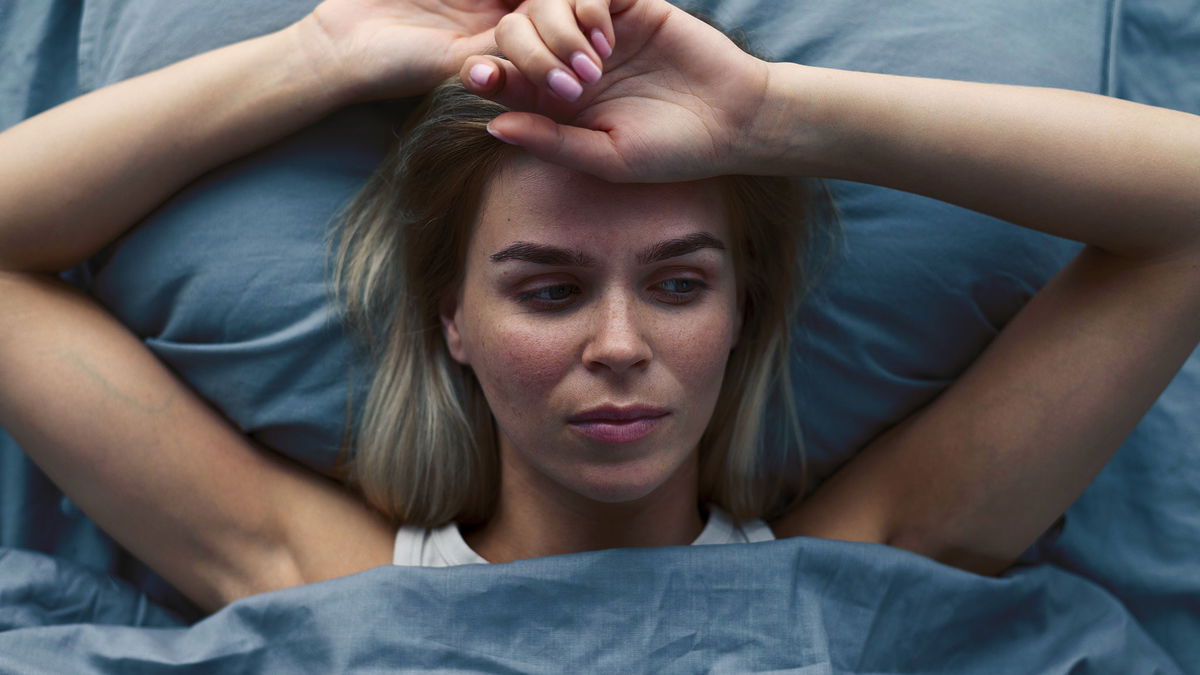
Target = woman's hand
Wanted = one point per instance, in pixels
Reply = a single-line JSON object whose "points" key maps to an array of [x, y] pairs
{"points": [[397, 48], [677, 99]]}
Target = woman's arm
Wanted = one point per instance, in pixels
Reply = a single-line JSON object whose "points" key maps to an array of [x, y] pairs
{"points": [[977, 475], [158, 469], [75, 177], [137, 450]]}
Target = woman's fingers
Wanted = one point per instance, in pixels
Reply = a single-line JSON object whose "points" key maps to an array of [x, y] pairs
{"points": [[551, 45], [494, 78], [581, 149], [595, 20], [562, 32], [568, 32], [520, 41], [629, 127]]}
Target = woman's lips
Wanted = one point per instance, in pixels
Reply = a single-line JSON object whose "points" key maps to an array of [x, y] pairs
{"points": [[618, 425]]}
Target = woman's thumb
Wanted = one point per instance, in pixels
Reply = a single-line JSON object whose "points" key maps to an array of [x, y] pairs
{"points": [[573, 147]]}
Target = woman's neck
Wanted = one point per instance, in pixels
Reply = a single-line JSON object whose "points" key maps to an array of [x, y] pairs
{"points": [[536, 516]]}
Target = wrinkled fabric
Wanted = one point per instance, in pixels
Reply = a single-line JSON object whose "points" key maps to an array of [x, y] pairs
{"points": [[796, 605]]}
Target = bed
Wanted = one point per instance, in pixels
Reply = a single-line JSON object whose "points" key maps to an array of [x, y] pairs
{"points": [[225, 282]]}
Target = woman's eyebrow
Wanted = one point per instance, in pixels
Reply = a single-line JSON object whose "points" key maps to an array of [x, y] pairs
{"points": [[541, 254], [544, 254], [673, 248]]}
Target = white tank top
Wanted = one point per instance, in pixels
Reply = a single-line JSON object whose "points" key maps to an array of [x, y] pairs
{"points": [[445, 546]]}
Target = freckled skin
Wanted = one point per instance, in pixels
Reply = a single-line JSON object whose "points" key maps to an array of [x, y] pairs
{"points": [[618, 340]]}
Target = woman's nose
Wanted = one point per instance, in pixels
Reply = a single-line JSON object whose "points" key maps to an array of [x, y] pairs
{"points": [[617, 341]]}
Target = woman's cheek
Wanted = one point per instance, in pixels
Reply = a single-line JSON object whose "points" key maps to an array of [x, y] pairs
{"points": [[523, 360], [698, 349]]}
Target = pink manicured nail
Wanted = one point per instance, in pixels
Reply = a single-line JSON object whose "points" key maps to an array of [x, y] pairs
{"points": [[564, 85], [585, 68], [481, 74], [499, 136], [601, 43]]}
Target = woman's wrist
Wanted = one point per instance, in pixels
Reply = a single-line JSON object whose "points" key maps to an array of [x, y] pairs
{"points": [[315, 56], [793, 131]]}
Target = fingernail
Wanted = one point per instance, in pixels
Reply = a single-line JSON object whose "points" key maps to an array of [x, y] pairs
{"points": [[564, 85], [499, 136], [585, 68], [601, 43], [481, 74]]}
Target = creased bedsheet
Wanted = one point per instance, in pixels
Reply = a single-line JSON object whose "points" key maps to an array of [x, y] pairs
{"points": [[797, 606]]}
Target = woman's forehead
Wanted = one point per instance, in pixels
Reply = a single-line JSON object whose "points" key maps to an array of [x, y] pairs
{"points": [[530, 200]]}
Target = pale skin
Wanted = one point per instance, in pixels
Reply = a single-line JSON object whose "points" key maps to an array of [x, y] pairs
{"points": [[972, 479]]}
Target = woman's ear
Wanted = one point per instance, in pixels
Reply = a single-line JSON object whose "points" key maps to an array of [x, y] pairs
{"points": [[451, 315]]}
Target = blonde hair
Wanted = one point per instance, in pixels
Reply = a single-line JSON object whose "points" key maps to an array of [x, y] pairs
{"points": [[425, 451]]}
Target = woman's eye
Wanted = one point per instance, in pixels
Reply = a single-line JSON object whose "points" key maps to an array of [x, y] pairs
{"points": [[550, 296], [679, 285], [679, 291]]}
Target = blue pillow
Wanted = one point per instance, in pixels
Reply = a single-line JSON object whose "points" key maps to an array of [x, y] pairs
{"points": [[1154, 47]]}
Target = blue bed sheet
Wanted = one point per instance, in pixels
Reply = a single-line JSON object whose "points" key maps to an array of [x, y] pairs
{"points": [[797, 606]]}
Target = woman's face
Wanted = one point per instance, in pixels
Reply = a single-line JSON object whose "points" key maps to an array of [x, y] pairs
{"points": [[598, 319]]}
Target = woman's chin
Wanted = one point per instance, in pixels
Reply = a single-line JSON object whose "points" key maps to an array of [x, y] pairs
{"points": [[615, 494], [617, 485]]}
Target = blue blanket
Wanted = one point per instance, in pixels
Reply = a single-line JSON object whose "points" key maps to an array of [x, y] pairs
{"points": [[798, 606], [224, 283]]}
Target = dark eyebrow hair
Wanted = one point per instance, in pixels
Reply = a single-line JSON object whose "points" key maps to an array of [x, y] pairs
{"points": [[542, 254], [673, 248]]}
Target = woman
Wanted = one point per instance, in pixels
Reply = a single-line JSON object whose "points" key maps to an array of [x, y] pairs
{"points": [[653, 319], [677, 102]]}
